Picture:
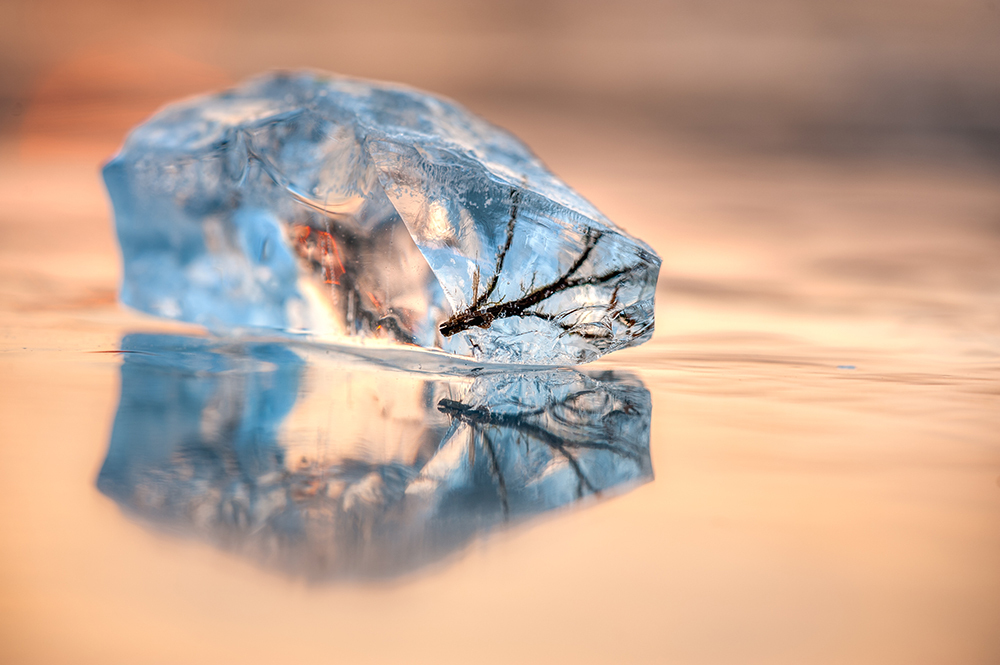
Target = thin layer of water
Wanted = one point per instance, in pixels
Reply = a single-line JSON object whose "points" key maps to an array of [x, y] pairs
{"points": [[822, 436]]}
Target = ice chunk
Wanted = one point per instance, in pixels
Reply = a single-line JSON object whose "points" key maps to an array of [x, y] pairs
{"points": [[337, 208]]}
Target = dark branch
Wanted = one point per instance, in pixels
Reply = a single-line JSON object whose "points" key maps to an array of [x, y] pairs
{"points": [[477, 316], [597, 279], [515, 202]]}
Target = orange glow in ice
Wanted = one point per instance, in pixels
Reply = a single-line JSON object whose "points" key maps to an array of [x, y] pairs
{"points": [[328, 247], [333, 265]]}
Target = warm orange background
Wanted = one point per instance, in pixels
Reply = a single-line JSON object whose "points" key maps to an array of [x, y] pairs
{"points": [[854, 76], [822, 181]]}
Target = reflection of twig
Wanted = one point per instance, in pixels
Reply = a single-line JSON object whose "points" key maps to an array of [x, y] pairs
{"points": [[481, 417], [518, 421], [498, 472], [581, 479]]}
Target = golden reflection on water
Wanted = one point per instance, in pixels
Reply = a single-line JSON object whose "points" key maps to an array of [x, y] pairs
{"points": [[825, 386]]}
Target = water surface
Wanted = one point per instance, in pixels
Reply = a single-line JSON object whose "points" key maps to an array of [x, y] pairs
{"points": [[822, 422]]}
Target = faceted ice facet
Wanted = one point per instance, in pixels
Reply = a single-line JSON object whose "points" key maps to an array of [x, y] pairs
{"points": [[335, 207]]}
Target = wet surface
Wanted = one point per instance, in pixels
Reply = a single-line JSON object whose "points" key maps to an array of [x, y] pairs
{"points": [[823, 431]]}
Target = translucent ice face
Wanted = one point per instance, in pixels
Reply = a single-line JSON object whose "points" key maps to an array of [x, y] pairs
{"points": [[345, 209]]}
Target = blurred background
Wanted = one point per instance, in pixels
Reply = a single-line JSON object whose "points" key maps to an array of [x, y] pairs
{"points": [[822, 180], [911, 78]]}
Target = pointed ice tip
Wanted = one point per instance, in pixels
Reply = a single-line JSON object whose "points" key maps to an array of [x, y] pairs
{"points": [[341, 209]]}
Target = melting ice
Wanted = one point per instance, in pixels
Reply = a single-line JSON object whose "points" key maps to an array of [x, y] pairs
{"points": [[336, 208]]}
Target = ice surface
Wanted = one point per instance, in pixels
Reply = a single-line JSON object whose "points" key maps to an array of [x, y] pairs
{"points": [[334, 207], [326, 465]]}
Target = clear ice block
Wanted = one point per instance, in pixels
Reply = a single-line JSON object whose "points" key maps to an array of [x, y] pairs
{"points": [[314, 204]]}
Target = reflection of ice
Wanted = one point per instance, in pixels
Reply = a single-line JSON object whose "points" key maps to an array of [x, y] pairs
{"points": [[325, 464]]}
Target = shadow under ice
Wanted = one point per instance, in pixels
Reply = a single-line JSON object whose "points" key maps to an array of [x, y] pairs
{"points": [[324, 464]]}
